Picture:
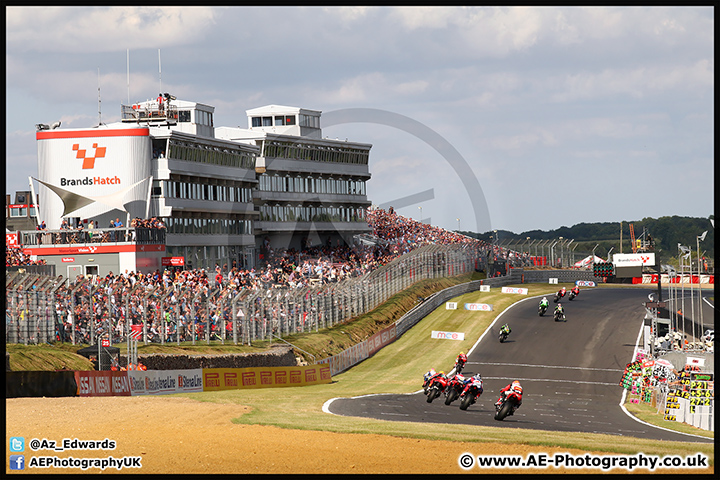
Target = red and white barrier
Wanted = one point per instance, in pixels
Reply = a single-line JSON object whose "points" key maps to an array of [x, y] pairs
{"points": [[678, 279]]}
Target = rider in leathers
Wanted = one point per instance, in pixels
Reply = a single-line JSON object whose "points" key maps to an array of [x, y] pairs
{"points": [[515, 387], [544, 302]]}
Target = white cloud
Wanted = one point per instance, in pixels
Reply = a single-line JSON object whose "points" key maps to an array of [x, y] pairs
{"points": [[64, 29]]}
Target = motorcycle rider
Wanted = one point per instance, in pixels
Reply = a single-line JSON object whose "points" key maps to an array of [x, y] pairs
{"points": [[576, 290], [477, 381], [514, 387], [505, 329], [461, 360], [432, 377], [559, 310], [561, 293], [544, 303]]}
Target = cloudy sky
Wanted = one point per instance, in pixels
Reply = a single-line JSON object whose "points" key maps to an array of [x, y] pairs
{"points": [[480, 118]]}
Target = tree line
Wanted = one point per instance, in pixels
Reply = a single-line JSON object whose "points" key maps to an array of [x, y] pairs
{"points": [[664, 232]]}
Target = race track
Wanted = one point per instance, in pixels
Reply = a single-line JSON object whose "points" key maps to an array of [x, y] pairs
{"points": [[570, 371]]}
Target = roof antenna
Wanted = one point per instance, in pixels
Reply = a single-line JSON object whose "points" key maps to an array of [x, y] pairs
{"points": [[128, 74], [160, 69], [99, 102]]}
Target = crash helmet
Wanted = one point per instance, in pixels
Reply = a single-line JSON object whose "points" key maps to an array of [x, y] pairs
{"points": [[544, 299], [516, 387], [477, 377]]}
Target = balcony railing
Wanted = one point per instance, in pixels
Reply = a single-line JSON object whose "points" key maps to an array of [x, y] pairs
{"points": [[137, 235]]}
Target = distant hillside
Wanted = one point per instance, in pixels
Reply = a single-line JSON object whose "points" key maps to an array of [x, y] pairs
{"points": [[666, 232]]}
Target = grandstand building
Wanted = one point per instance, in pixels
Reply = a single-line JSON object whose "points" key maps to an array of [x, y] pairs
{"points": [[310, 190], [223, 194]]}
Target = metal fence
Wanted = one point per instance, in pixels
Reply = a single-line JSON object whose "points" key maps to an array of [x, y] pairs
{"points": [[43, 309]]}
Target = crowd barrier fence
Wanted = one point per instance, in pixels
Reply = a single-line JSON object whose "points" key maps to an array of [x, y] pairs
{"points": [[48, 309]]}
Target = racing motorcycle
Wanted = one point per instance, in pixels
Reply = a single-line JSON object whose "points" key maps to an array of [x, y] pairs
{"points": [[459, 365], [503, 335], [542, 309], [473, 389], [436, 387], [506, 407], [559, 316], [560, 294], [573, 294], [454, 387]]}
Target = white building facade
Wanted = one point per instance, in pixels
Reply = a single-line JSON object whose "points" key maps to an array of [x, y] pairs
{"points": [[223, 193]]}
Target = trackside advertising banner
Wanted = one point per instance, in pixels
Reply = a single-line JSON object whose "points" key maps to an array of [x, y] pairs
{"points": [[102, 383], [164, 382], [264, 377]]}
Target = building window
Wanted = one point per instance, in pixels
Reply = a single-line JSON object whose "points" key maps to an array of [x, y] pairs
{"points": [[18, 211], [284, 120]]}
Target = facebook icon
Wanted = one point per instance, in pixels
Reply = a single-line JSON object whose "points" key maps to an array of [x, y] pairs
{"points": [[17, 462]]}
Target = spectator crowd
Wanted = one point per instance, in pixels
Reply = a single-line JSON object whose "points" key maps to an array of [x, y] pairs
{"points": [[191, 299]]}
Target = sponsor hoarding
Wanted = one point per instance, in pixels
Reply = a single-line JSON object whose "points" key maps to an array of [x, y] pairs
{"points": [[483, 307], [102, 383], [164, 382], [448, 335], [522, 291], [263, 377], [633, 259]]}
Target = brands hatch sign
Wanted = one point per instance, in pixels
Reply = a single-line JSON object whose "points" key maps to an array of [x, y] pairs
{"points": [[89, 164], [634, 259]]}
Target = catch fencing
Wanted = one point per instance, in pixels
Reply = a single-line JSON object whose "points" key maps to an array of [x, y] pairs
{"points": [[45, 309]]}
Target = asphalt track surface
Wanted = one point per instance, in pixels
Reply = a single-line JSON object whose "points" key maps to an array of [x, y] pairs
{"points": [[570, 371]]}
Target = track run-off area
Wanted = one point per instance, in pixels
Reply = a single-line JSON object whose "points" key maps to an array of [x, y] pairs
{"points": [[570, 371]]}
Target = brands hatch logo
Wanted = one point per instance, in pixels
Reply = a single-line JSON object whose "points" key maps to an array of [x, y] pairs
{"points": [[89, 164]]}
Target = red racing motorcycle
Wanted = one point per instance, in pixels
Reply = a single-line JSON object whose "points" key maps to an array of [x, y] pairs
{"points": [[472, 391], [507, 406], [436, 386], [454, 387]]}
